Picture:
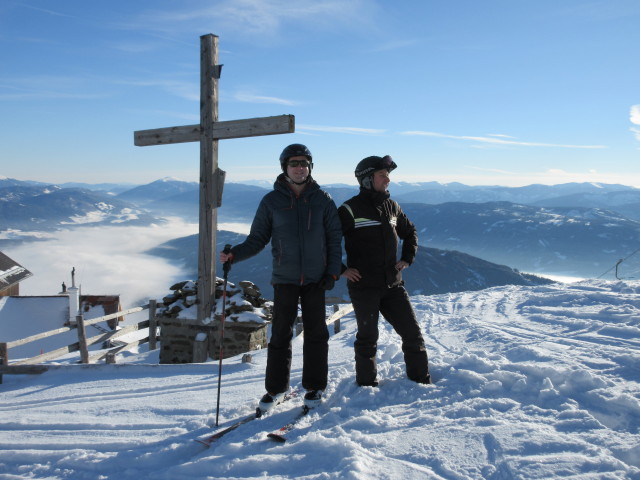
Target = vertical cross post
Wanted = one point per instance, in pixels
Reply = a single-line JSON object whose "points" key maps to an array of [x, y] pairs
{"points": [[208, 132], [209, 75]]}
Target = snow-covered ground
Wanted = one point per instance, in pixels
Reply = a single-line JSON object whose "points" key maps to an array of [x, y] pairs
{"points": [[531, 383]]}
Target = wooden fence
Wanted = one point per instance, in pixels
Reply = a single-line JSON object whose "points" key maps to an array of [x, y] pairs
{"points": [[34, 365], [334, 318]]}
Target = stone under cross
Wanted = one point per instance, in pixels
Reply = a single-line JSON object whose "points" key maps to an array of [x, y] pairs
{"points": [[208, 132]]}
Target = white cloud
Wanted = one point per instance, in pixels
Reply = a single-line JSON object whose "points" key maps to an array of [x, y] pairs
{"points": [[188, 90], [249, 98], [634, 114], [108, 260], [499, 135], [266, 18], [44, 95], [189, 117], [46, 10], [493, 139], [348, 130], [634, 117], [243, 228], [41, 87]]}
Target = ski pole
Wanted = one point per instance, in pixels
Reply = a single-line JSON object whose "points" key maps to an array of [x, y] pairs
{"points": [[226, 266]]}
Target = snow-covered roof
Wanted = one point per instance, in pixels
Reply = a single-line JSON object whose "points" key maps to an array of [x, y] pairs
{"points": [[23, 316], [11, 272]]}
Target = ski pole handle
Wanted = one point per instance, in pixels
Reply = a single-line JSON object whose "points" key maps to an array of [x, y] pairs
{"points": [[226, 266]]}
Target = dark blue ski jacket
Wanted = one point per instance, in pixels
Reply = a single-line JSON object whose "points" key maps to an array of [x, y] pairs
{"points": [[304, 231]]}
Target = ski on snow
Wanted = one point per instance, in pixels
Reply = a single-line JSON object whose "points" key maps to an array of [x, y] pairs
{"points": [[280, 435], [209, 439]]}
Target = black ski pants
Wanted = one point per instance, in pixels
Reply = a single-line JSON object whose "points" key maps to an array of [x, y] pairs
{"points": [[316, 337], [395, 306]]}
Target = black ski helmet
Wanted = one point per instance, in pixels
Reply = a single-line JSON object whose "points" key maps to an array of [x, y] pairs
{"points": [[295, 150], [367, 166]]}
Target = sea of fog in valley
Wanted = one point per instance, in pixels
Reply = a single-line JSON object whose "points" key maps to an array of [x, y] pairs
{"points": [[112, 260]]}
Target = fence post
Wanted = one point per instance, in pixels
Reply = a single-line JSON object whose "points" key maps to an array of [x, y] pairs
{"points": [[153, 325], [82, 339], [336, 324], [4, 357], [111, 358]]}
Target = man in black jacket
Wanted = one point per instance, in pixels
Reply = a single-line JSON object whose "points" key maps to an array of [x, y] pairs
{"points": [[371, 224], [301, 222]]}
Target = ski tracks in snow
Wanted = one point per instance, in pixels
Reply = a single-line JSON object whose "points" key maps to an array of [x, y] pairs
{"points": [[506, 355], [530, 383]]}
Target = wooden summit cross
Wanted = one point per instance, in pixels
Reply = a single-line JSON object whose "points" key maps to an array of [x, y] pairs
{"points": [[208, 132]]}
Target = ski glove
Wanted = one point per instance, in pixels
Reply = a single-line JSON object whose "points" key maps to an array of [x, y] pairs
{"points": [[327, 282]]}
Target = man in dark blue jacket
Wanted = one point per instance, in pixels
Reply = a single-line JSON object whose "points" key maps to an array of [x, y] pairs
{"points": [[301, 222], [372, 224]]}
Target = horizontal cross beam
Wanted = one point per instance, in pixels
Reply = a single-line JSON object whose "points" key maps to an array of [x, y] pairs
{"points": [[251, 127]]}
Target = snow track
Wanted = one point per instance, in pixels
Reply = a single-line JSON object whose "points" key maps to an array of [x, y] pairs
{"points": [[531, 383]]}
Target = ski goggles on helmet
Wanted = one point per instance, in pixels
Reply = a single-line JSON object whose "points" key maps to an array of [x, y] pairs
{"points": [[388, 163]]}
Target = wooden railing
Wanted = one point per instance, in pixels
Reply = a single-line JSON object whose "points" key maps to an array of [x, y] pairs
{"points": [[34, 365], [339, 311]]}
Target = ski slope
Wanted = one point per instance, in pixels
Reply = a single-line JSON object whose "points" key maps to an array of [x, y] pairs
{"points": [[530, 383]]}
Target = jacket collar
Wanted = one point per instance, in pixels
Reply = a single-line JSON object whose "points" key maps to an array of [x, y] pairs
{"points": [[282, 184], [374, 197]]}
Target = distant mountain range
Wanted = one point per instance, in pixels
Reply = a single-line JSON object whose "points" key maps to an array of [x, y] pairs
{"points": [[46, 208], [623, 199], [434, 271], [563, 240], [434, 192], [584, 235], [581, 229], [158, 191], [174, 194], [112, 188]]}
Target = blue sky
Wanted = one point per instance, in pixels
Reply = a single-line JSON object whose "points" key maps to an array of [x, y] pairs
{"points": [[504, 92]]}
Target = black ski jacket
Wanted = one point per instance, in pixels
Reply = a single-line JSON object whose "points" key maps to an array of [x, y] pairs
{"points": [[371, 224], [304, 232]]}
